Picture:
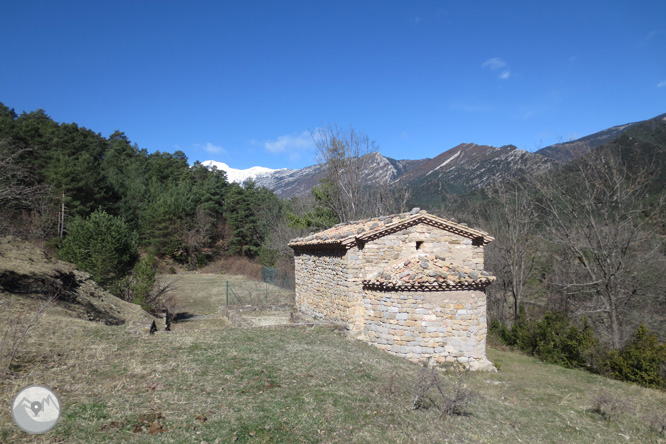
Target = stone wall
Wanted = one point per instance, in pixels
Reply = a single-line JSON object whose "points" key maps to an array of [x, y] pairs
{"points": [[419, 239], [322, 285], [439, 326], [436, 326]]}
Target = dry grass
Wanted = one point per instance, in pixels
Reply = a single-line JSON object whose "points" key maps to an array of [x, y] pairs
{"points": [[205, 293], [235, 266], [295, 385]]}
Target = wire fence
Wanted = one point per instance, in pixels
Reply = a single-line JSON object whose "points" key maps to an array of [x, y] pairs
{"points": [[276, 288]]}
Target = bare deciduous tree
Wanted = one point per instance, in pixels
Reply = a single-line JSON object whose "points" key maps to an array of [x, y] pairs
{"points": [[198, 237], [598, 215], [344, 154], [16, 186], [20, 196], [351, 192], [511, 218]]}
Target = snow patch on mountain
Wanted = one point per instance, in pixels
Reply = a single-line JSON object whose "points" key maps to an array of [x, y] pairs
{"points": [[240, 176], [443, 164]]}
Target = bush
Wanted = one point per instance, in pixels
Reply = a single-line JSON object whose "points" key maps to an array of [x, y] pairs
{"points": [[432, 392], [610, 407], [522, 332], [143, 281], [642, 360], [101, 244], [554, 339], [557, 340], [560, 342]]}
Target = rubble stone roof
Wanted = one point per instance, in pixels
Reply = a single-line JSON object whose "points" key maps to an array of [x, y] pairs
{"points": [[347, 235], [427, 272]]}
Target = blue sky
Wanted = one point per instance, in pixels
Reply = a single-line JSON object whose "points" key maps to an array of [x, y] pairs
{"points": [[244, 82]]}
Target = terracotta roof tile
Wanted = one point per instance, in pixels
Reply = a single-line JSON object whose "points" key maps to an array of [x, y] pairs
{"points": [[427, 272], [347, 234]]}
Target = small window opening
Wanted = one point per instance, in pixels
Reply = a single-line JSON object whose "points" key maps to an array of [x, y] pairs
{"points": [[419, 244]]}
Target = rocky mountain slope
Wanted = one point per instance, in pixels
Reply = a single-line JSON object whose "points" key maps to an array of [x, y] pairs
{"points": [[568, 151], [469, 167], [463, 168], [466, 167]]}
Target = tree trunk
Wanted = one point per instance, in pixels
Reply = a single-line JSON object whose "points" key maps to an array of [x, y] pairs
{"points": [[616, 334]]}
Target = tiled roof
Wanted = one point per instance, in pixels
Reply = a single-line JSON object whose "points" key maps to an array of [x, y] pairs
{"points": [[349, 234], [426, 272]]}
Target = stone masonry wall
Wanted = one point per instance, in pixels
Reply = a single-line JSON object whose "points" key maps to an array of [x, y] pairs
{"points": [[376, 254], [437, 326], [321, 285], [419, 239], [441, 326]]}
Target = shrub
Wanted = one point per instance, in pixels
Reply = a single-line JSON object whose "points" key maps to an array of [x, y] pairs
{"points": [[610, 407], [642, 360], [558, 341], [431, 392], [522, 332], [101, 244], [143, 281], [554, 339]]}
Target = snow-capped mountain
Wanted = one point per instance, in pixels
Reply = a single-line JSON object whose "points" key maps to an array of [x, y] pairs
{"points": [[467, 165], [240, 176], [457, 170]]}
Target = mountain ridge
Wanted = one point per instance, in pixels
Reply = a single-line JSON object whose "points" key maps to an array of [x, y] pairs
{"points": [[462, 168]]}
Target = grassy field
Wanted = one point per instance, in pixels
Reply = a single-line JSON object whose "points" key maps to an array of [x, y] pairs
{"points": [[299, 385], [199, 297], [206, 293]]}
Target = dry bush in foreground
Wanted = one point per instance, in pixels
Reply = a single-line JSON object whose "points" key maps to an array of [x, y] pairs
{"points": [[609, 406], [17, 325], [657, 423], [431, 392]]}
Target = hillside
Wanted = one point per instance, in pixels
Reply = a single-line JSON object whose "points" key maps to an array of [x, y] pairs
{"points": [[299, 384], [28, 277], [469, 167], [568, 151], [290, 183]]}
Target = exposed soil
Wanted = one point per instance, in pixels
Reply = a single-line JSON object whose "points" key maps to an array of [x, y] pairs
{"points": [[28, 277]]}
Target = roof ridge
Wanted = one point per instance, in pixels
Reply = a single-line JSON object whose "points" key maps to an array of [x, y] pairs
{"points": [[350, 233]]}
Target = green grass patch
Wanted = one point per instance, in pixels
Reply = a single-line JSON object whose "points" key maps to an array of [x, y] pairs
{"points": [[302, 385]]}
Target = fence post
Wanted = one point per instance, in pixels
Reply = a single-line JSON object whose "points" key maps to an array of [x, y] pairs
{"points": [[227, 292]]}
